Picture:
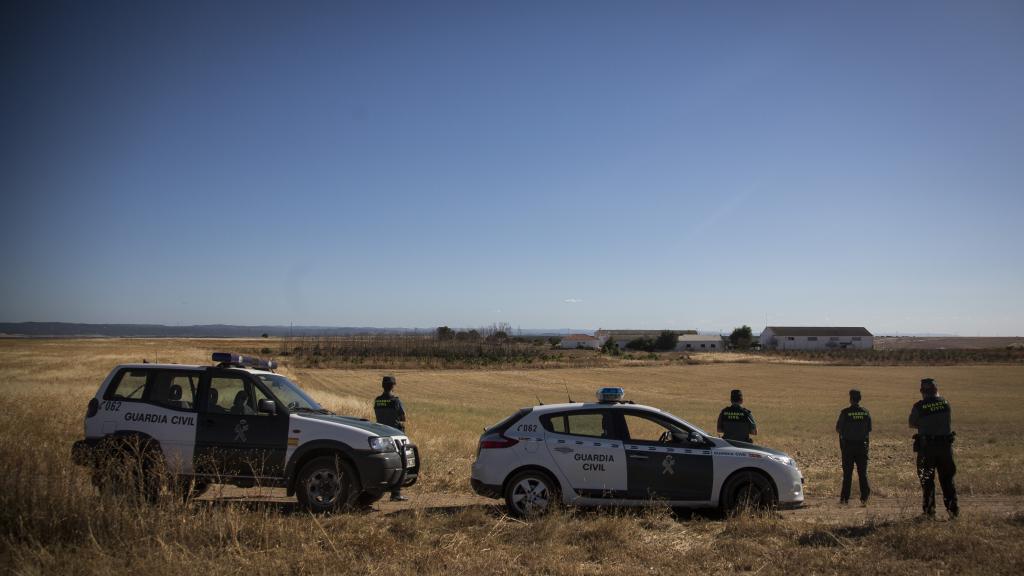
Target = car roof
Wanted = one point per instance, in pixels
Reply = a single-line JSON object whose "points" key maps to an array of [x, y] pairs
{"points": [[545, 408], [196, 367]]}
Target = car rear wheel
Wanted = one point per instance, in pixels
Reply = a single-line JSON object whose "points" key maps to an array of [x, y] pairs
{"points": [[327, 484], [531, 493], [748, 492]]}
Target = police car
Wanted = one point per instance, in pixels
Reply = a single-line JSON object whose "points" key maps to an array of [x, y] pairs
{"points": [[614, 452], [236, 422]]}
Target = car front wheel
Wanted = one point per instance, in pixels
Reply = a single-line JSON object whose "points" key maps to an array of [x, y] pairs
{"points": [[327, 484], [748, 491], [531, 493]]}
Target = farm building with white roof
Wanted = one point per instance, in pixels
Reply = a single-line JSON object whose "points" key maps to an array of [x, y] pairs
{"points": [[699, 343], [816, 338], [580, 341]]}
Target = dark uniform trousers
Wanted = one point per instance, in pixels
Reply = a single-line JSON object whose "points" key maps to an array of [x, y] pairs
{"points": [[855, 452], [935, 454]]}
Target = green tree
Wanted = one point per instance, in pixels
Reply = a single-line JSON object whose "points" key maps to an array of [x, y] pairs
{"points": [[610, 347], [666, 341], [445, 333], [741, 337], [642, 344]]}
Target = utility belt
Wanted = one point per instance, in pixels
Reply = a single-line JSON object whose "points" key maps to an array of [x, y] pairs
{"points": [[922, 440]]}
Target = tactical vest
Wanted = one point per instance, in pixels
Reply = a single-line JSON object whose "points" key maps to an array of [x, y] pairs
{"points": [[387, 409], [854, 424], [933, 417], [736, 423]]}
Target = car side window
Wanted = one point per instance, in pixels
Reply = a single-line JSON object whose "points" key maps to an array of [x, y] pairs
{"points": [[228, 395], [642, 429], [175, 390], [591, 424], [128, 385]]}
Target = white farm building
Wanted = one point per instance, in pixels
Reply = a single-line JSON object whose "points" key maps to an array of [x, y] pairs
{"points": [[699, 343], [816, 338], [580, 341]]}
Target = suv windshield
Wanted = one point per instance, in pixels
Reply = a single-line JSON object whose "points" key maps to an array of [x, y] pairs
{"points": [[289, 392]]}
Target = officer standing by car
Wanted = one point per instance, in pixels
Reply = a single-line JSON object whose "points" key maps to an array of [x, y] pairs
{"points": [[736, 422], [389, 411], [931, 416], [854, 427]]}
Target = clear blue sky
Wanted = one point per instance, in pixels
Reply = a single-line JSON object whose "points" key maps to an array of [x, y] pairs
{"points": [[549, 164]]}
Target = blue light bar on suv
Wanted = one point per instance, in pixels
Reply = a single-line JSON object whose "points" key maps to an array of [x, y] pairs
{"points": [[229, 359]]}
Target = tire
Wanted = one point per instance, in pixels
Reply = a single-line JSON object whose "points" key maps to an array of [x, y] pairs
{"points": [[190, 489], [748, 492], [327, 484], [531, 493], [132, 469]]}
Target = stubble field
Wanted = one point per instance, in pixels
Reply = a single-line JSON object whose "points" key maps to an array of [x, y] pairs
{"points": [[53, 520]]}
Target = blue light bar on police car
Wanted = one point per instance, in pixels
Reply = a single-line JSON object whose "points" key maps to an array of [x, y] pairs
{"points": [[611, 394], [242, 360]]}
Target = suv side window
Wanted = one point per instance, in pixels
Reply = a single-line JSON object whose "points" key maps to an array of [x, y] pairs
{"points": [[128, 385], [230, 394], [174, 390]]}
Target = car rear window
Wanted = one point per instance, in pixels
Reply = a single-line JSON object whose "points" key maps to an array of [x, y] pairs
{"points": [[508, 422], [129, 385]]}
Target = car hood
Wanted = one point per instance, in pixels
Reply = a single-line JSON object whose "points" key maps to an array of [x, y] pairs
{"points": [[749, 446], [372, 428]]}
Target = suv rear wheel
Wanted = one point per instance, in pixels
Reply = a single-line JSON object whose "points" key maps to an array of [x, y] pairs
{"points": [[327, 484], [531, 493]]}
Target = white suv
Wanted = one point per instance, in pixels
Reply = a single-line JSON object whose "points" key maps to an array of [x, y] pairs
{"points": [[239, 423], [619, 453]]}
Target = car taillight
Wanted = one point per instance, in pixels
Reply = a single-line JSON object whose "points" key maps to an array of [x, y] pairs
{"points": [[93, 408], [496, 441]]}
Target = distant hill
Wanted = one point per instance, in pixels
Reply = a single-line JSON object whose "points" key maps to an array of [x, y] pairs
{"points": [[70, 329], [67, 329]]}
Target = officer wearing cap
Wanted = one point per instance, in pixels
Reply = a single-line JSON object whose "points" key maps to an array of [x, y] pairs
{"points": [[736, 422], [854, 426], [931, 417], [389, 411]]}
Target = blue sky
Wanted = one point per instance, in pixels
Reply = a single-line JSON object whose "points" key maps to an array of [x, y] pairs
{"points": [[549, 164]]}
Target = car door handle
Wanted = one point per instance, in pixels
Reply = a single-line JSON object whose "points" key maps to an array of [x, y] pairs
{"points": [[637, 457]]}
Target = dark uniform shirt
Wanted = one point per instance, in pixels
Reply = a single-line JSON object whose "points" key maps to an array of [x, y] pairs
{"points": [[854, 424], [389, 411], [931, 417], [736, 423]]}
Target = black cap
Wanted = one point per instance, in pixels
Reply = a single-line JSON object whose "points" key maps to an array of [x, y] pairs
{"points": [[928, 385], [736, 396], [388, 382], [854, 395]]}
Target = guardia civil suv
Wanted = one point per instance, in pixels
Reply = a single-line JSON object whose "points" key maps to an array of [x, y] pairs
{"points": [[613, 452], [236, 422]]}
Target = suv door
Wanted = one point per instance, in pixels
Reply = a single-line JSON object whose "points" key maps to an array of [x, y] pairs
{"points": [[233, 438], [662, 460], [585, 446]]}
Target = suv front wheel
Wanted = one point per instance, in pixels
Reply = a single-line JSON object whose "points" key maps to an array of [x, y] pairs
{"points": [[326, 484], [531, 493]]}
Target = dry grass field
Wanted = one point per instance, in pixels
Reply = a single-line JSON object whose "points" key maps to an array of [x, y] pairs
{"points": [[54, 521]]}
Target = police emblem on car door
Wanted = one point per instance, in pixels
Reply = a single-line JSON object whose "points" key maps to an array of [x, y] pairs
{"points": [[586, 449], [662, 462], [234, 437]]}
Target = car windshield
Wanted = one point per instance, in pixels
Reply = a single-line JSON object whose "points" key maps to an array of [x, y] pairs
{"points": [[289, 392]]}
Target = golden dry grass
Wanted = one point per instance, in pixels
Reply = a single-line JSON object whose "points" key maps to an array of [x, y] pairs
{"points": [[53, 521]]}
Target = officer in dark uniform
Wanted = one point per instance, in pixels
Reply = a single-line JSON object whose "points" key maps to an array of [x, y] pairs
{"points": [[854, 426], [389, 411], [734, 421], [934, 446]]}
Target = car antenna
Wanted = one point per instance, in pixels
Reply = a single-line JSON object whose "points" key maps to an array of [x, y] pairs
{"points": [[567, 392], [539, 401]]}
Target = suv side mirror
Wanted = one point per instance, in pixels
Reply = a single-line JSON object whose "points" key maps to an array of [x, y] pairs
{"points": [[266, 406]]}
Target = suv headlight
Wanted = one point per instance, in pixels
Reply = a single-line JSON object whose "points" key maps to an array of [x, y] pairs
{"points": [[382, 444], [783, 460]]}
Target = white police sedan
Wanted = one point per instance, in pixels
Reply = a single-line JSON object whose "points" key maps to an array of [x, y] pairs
{"points": [[614, 452]]}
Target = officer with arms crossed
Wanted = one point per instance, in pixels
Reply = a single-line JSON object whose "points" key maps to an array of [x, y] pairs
{"points": [[734, 421], [854, 426], [389, 411], [934, 446]]}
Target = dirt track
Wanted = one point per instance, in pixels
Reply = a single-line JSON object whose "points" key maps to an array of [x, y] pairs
{"points": [[815, 510]]}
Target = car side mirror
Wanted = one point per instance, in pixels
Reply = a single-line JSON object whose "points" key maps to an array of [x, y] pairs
{"points": [[266, 406], [696, 439]]}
